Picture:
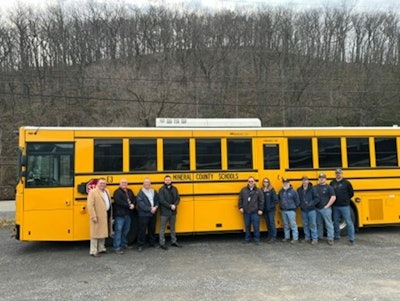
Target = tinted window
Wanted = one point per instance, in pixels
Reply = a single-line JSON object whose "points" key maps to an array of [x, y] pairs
{"points": [[271, 156], [142, 154], [386, 152], [240, 154], [358, 152], [208, 154], [300, 153], [50, 164], [329, 152], [108, 155], [176, 154]]}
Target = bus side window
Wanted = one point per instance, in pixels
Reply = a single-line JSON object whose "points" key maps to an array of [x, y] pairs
{"points": [[240, 154], [108, 155], [386, 151], [358, 152], [329, 152], [176, 154], [143, 154], [300, 153], [50, 164], [208, 154], [271, 156]]}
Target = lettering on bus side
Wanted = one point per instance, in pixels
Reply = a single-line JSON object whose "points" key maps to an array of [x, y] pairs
{"points": [[228, 176], [222, 176], [204, 176], [182, 177]]}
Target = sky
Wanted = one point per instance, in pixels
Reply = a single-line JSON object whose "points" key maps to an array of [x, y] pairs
{"points": [[363, 5]]}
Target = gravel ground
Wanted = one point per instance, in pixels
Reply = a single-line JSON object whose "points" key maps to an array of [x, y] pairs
{"points": [[211, 267]]}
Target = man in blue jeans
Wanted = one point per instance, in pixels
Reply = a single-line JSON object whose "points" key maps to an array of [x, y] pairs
{"points": [[251, 204], [341, 207], [326, 196], [289, 201], [308, 201], [124, 203]]}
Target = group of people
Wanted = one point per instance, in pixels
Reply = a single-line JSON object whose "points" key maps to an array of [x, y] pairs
{"points": [[146, 204], [317, 203]]}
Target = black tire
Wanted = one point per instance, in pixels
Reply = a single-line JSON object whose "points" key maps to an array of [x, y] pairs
{"points": [[343, 226]]}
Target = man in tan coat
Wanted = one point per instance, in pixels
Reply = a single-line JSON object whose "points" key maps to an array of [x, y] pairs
{"points": [[99, 205]]}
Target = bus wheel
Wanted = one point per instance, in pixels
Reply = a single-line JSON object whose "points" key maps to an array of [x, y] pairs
{"points": [[343, 226]]}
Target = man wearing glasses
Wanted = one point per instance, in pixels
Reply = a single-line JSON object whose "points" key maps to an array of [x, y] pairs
{"points": [[251, 204]]}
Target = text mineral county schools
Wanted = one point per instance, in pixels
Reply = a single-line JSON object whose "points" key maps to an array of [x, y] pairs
{"points": [[220, 176]]}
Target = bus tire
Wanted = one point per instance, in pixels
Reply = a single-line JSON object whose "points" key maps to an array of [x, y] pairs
{"points": [[343, 226]]}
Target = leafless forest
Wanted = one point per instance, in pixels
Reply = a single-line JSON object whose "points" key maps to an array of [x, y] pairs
{"points": [[117, 65]]}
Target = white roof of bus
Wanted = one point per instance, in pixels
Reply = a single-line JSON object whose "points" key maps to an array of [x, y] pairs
{"points": [[69, 128]]}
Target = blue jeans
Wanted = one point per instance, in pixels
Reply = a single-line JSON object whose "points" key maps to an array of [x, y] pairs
{"points": [[122, 225], [270, 220], [310, 224], [338, 212], [252, 219], [324, 216], [289, 223]]}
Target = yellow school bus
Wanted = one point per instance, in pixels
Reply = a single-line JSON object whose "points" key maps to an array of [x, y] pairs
{"points": [[209, 161]]}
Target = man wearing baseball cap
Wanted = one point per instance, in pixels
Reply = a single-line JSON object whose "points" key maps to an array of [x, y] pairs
{"points": [[308, 202], [341, 208], [326, 196], [289, 201]]}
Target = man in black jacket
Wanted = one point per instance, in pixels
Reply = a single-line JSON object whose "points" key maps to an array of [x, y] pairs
{"points": [[341, 208], [169, 200], [124, 203], [251, 204], [308, 201]]}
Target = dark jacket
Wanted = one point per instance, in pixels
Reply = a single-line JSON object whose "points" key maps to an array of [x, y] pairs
{"points": [[344, 192], [288, 199], [143, 203], [168, 195], [308, 198], [122, 200], [324, 193], [270, 200], [251, 200]]}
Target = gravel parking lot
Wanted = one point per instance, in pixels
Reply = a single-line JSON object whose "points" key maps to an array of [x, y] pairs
{"points": [[212, 267]]}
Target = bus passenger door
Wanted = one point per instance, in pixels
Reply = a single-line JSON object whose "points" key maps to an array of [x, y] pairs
{"points": [[271, 165], [48, 193], [270, 161]]}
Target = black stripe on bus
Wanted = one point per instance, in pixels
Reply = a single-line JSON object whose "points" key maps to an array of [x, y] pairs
{"points": [[187, 195], [237, 193], [377, 189], [349, 178]]}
